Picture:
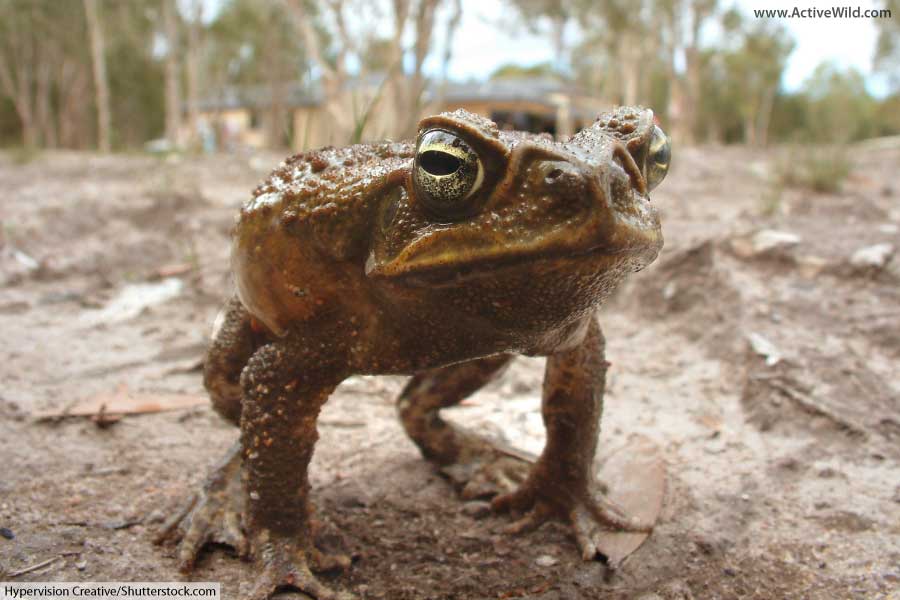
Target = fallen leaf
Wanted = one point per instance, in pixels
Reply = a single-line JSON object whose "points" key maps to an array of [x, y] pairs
{"points": [[124, 402], [173, 270], [637, 480]]}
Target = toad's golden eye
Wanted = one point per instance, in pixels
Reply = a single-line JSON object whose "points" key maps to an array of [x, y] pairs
{"points": [[658, 156], [447, 173]]}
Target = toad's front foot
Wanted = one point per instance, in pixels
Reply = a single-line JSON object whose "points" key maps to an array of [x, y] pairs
{"points": [[592, 516], [288, 562], [213, 515]]}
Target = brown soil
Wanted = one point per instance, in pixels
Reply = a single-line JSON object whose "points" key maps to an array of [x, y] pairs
{"points": [[783, 479]]}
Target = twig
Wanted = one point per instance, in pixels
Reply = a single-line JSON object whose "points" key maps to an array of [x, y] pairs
{"points": [[41, 565], [811, 406]]}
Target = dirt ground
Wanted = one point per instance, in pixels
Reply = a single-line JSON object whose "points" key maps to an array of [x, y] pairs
{"points": [[764, 366]]}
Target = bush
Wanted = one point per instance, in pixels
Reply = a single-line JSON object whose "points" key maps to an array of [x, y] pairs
{"points": [[821, 169]]}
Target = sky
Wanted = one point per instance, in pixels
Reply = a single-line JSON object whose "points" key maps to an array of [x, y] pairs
{"points": [[487, 39]]}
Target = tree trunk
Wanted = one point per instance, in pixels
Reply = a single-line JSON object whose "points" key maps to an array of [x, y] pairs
{"points": [[629, 68], [416, 82], [74, 84], [173, 97], [749, 130], [449, 34], [333, 78], [691, 90], [16, 75], [275, 118], [44, 106], [193, 72], [101, 84], [764, 115], [393, 116], [21, 97]]}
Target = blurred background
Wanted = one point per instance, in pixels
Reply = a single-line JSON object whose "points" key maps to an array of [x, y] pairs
{"points": [[759, 352], [233, 75]]}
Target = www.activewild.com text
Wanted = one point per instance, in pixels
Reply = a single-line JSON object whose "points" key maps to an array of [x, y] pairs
{"points": [[835, 12]]}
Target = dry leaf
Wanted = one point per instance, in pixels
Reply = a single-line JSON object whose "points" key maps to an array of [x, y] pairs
{"points": [[636, 476], [173, 270], [124, 402]]}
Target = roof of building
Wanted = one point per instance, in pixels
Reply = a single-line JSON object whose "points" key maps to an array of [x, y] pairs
{"points": [[537, 90], [258, 96]]}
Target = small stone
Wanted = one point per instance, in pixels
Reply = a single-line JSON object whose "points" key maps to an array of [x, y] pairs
{"points": [[7, 533], [873, 257], [81, 565], [764, 348], [670, 290], [769, 240], [545, 561], [156, 516], [477, 509]]}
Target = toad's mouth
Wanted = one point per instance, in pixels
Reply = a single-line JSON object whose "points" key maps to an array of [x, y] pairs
{"points": [[541, 258], [628, 232]]}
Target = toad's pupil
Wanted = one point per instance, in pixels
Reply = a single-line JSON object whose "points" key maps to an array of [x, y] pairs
{"points": [[661, 153], [439, 163]]}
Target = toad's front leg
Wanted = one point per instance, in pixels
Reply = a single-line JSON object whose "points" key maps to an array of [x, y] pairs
{"points": [[284, 387], [561, 483]]}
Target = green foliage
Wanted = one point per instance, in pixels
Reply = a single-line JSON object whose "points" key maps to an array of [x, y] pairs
{"points": [[514, 71], [719, 101], [840, 108], [136, 83], [251, 39], [754, 69], [9, 123], [790, 118], [887, 48], [887, 116], [833, 105]]}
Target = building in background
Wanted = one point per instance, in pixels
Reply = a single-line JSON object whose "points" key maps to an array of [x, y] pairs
{"points": [[236, 117]]}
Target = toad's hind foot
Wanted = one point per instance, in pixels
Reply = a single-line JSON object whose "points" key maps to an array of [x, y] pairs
{"points": [[484, 469], [288, 563], [211, 516], [478, 468]]}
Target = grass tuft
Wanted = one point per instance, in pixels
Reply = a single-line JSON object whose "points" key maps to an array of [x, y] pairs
{"points": [[821, 169]]}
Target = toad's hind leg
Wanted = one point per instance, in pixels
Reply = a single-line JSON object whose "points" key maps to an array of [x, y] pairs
{"points": [[214, 513], [481, 469], [234, 340]]}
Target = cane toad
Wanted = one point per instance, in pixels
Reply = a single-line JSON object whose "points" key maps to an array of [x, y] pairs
{"points": [[442, 259]]}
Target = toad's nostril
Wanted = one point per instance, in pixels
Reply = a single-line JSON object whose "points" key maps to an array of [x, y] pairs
{"points": [[552, 175]]}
